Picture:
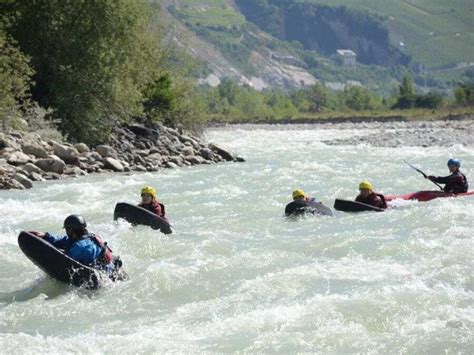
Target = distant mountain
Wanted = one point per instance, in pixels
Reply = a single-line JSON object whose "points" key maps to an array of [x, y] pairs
{"points": [[289, 43]]}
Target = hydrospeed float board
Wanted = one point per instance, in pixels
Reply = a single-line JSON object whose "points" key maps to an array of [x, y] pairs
{"points": [[354, 206], [55, 263], [138, 215]]}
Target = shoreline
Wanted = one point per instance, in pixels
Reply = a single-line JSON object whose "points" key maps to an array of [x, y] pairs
{"points": [[359, 117], [389, 134], [25, 157]]}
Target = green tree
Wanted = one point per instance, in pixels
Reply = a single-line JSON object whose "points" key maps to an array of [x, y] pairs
{"points": [[464, 94], [92, 59], [318, 97], [431, 100], [407, 95], [15, 79], [359, 98]]}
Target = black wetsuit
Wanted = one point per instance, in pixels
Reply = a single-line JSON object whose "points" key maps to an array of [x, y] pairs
{"points": [[455, 183]]}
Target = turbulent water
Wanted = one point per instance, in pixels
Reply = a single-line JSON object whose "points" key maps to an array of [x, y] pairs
{"points": [[236, 275]]}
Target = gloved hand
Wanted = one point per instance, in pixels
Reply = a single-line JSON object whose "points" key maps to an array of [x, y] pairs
{"points": [[432, 178], [38, 234]]}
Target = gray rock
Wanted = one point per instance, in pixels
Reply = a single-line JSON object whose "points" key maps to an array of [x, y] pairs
{"points": [[187, 151], [51, 165], [35, 150], [31, 168], [66, 153], [154, 150], [187, 139], [195, 159], [222, 152], [35, 176], [171, 165], [106, 151], [22, 179], [178, 160], [82, 147], [7, 182], [18, 158], [74, 171], [206, 153], [113, 164], [93, 157], [140, 168], [52, 176]]}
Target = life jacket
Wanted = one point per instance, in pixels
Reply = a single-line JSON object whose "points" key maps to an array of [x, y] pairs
{"points": [[457, 183], [105, 256], [153, 206], [370, 200]]}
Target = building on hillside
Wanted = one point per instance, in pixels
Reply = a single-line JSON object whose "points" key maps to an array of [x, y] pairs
{"points": [[347, 56]]}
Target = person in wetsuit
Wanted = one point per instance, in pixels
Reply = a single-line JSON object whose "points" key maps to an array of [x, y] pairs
{"points": [[87, 248], [369, 197], [300, 204], [456, 182], [151, 203]]}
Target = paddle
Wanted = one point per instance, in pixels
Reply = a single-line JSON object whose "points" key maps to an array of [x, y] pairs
{"points": [[422, 173]]}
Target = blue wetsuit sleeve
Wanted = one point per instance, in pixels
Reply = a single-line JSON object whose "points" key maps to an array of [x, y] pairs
{"points": [[58, 241]]}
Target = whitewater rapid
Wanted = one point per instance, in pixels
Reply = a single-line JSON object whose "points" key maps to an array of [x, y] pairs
{"points": [[236, 275]]}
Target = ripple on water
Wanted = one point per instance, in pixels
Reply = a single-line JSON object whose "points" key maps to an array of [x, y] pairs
{"points": [[237, 276]]}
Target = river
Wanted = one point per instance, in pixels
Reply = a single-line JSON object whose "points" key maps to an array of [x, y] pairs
{"points": [[236, 275]]}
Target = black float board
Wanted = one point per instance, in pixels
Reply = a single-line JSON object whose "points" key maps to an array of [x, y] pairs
{"points": [[138, 215], [318, 208], [55, 263], [354, 206]]}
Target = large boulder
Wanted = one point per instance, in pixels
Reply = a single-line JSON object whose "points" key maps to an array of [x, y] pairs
{"points": [[22, 179], [187, 139], [222, 152], [143, 131], [193, 160], [18, 158], [31, 168], [82, 147], [113, 164], [7, 182], [187, 151], [106, 151], [34, 149], [51, 165], [206, 153], [67, 153]]}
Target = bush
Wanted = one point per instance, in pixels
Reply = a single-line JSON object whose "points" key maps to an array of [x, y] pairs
{"points": [[15, 79], [431, 100]]}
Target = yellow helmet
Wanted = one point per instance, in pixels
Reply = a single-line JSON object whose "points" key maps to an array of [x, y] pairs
{"points": [[365, 185], [148, 190], [298, 193]]}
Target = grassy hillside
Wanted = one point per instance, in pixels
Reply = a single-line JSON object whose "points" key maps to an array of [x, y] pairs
{"points": [[436, 33]]}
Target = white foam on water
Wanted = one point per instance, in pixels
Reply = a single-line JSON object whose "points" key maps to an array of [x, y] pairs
{"points": [[236, 275]]}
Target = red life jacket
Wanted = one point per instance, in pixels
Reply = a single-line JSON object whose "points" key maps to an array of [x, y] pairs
{"points": [[105, 256], [156, 207], [370, 200]]}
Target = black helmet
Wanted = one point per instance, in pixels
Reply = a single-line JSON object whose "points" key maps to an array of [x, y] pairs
{"points": [[75, 222]]}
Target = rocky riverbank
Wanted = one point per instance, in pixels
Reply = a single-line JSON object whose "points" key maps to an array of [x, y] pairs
{"points": [[25, 157], [410, 133], [385, 133]]}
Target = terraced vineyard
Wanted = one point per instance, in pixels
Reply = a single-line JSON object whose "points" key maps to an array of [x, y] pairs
{"points": [[435, 33]]}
